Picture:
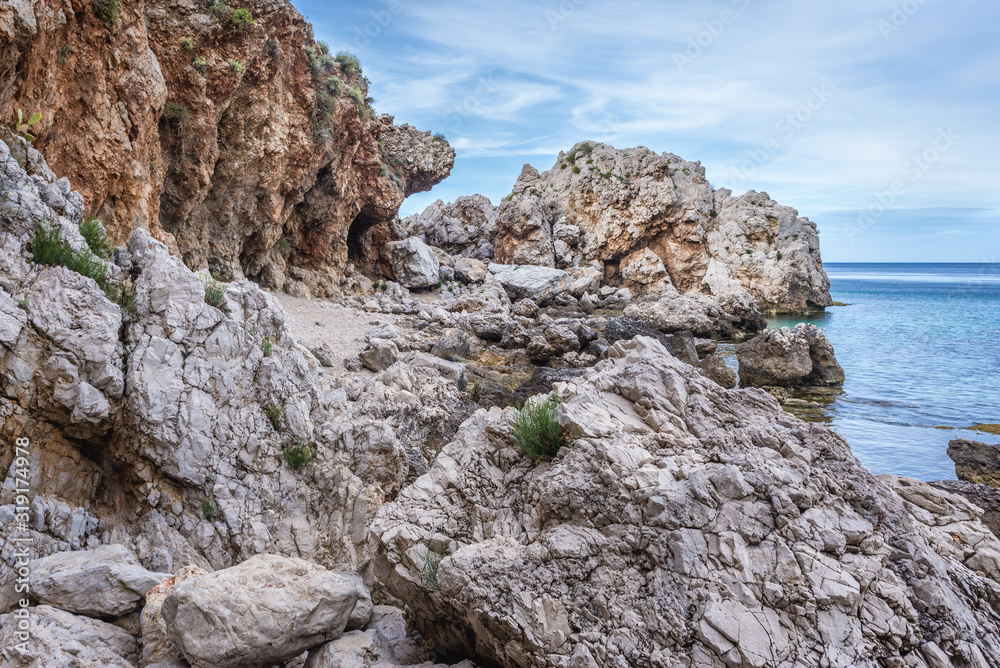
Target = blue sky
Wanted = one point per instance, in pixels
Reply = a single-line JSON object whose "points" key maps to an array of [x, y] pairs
{"points": [[876, 119]]}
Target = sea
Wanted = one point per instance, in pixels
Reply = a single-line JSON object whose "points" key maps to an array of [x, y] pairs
{"points": [[920, 346]]}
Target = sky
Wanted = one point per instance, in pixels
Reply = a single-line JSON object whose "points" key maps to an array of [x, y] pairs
{"points": [[876, 119]]}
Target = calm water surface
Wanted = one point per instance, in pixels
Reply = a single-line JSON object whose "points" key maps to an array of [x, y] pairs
{"points": [[920, 345]]}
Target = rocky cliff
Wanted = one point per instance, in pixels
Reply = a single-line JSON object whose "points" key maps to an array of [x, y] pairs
{"points": [[649, 222], [245, 146]]}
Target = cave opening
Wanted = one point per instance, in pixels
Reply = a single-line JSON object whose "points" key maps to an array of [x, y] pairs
{"points": [[360, 249]]}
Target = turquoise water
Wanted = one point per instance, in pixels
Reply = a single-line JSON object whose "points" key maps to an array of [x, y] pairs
{"points": [[920, 345]]}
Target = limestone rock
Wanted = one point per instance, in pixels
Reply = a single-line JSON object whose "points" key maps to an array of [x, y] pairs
{"points": [[539, 284], [59, 639], [625, 202], [717, 369], [701, 315], [784, 357], [380, 354], [264, 611], [104, 582], [461, 227], [156, 645], [707, 526], [414, 264], [469, 270], [985, 497], [976, 462]]}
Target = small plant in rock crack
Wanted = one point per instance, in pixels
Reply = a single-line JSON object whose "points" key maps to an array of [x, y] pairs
{"points": [[277, 418], [349, 63], [267, 345], [199, 64], [48, 247], [778, 255], [431, 563], [235, 65], [108, 12], [96, 238], [210, 509], [536, 429], [242, 19], [215, 292], [300, 453], [187, 43]]}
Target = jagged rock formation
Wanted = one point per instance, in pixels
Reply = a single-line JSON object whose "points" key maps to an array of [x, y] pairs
{"points": [[649, 222], [251, 152], [161, 420], [976, 462], [686, 525]]}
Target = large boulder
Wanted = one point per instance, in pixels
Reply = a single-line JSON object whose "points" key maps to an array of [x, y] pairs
{"points": [[976, 462], [58, 639], [539, 284], [460, 227], [266, 610], [156, 645], [638, 214], [787, 357], [685, 525], [104, 582], [413, 263], [699, 314]]}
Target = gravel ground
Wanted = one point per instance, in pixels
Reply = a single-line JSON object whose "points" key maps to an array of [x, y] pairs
{"points": [[340, 327]]}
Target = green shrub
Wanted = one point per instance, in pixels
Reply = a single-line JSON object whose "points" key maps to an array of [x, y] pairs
{"points": [[779, 255], [267, 345], [439, 136], [335, 85], [108, 12], [300, 453], [355, 94], [210, 509], [323, 47], [277, 418], [576, 169], [349, 63], [175, 111], [97, 239], [199, 64], [215, 292], [48, 247], [326, 106], [187, 43], [235, 65], [242, 19], [220, 10], [536, 429]]}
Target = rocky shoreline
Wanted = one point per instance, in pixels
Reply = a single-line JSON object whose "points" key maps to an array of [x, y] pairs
{"points": [[284, 428]]}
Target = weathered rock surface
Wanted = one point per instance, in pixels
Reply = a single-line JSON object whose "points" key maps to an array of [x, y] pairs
{"points": [[686, 525], [267, 610], [784, 357], [156, 645], [60, 639], [413, 263], [104, 582], [461, 228], [254, 162], [976, 462], [983, 496], [701, 315], [629, 206], [539, 284]]}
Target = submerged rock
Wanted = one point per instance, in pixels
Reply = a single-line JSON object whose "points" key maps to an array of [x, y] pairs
{"points": [[785, 357], [685, 525]]}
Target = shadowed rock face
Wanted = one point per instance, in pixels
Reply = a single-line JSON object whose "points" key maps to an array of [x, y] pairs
{"points": [[246, 164], [976, 462], [626, 201]]}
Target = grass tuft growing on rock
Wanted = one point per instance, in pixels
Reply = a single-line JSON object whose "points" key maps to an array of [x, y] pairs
{"points": [[210, 509], [97, 239], [48, 247], [108, 12], [300, 453], [536, 429], [276, 416], [349, 63], [431, 563], [215, 292]]}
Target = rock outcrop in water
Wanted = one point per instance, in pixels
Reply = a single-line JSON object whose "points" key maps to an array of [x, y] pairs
{"points": [[801, 356], [685, 526], [251, 152], [649, 222]]}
